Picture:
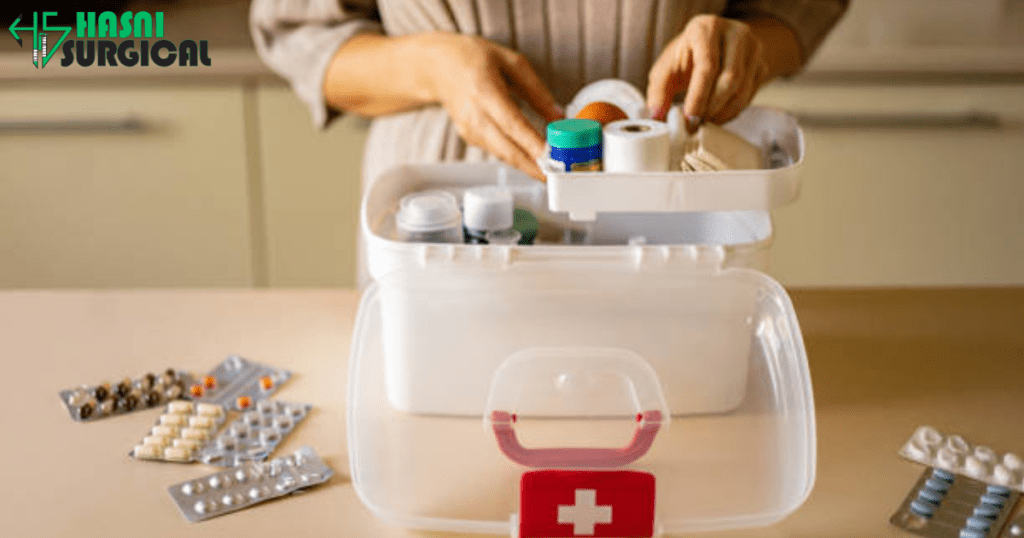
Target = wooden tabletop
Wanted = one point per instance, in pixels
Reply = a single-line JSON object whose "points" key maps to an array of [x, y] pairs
{"points": [[882, 363]]}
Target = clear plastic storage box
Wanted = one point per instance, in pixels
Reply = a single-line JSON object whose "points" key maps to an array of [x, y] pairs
{"points": [[657, 346]]}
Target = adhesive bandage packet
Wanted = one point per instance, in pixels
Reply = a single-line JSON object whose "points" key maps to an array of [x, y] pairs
{"points": [[954, 454], [181, 432], [713, 148], [238, 383], [251, 483], [92, 402], [255, 434]]}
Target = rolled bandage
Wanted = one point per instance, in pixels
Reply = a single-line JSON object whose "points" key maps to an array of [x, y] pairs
{"points": [[636, 146]]}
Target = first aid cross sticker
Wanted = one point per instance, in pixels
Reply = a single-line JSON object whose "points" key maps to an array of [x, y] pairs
{"points": [[563, 503], [585, 513]]}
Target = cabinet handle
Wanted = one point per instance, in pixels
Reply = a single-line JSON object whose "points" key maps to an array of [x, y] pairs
{"points": [[127, 124], [956, 121]]}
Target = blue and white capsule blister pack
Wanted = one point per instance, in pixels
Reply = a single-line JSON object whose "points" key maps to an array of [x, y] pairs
{"points": [[968, 491], [255, 434], [954, 454], [240, 487], [944, 505]]}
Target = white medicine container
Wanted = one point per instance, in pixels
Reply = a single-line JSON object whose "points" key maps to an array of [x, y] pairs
{"points": [[662, 309]]}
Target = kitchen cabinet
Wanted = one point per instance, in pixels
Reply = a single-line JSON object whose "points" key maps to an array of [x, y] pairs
{"points": [[916, 185], [229, 185], [123, 185], [310, 191]]}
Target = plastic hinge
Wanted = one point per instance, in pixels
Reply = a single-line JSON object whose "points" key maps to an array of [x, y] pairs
{"points": [[500, 256], [645, 257], [428, 253], [708, 256]]}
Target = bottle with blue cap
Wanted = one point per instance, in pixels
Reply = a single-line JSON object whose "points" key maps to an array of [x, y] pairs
{"points": [[576, 144]]}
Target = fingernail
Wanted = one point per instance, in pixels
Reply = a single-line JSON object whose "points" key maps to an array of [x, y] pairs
{"points": [[660, 112], [692, 122], [560, 110]]}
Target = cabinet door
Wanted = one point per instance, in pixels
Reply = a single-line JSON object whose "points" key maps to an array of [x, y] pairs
{"points": [[904, 185], [88, 201], [311, 193]]}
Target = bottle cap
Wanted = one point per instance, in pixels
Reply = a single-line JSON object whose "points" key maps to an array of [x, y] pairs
{"points": [[488, 208], [527, 225], [574, 133], [428, 211], [503, 237]]}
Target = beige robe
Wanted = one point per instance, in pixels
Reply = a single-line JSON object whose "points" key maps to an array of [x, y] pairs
{"points": [[569, 43]]}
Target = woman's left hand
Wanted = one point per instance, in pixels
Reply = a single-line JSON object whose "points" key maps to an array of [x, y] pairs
{"points": [[720, 63]]}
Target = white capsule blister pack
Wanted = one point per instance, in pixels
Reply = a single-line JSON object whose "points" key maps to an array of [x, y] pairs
{"points": [[181, 432], [953, 453], [240, 487], [239, 383], [255, 434]]}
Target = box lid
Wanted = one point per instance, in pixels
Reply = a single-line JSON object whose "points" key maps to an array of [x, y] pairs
{"points": [[576, 404]]}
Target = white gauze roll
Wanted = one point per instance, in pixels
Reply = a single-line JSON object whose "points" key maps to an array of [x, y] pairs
{"points": [[636, 146]]}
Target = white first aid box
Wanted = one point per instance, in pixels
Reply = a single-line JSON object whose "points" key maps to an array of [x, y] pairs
{"points": [[659, 313]]}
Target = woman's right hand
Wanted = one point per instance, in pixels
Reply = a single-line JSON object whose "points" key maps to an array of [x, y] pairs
{"points": [[474, 80]]}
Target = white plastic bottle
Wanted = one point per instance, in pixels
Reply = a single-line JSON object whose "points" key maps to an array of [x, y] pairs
{"points": [[488, 215]]}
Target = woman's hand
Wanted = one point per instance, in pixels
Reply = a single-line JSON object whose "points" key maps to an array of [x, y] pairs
{"points": [[475, 79], [720, 64]]}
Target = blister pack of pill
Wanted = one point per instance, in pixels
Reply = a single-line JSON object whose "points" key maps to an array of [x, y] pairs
{"points": [[181, 432], [944, 505], [954, 454], [251, 483], [238, 383], [93, 402], [255, 434]]}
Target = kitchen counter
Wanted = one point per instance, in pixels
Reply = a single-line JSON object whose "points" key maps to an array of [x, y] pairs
{"points": [[882, 362]]}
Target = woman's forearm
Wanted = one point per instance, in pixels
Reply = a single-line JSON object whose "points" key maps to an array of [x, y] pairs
{"points": [[784, 54], [373, 75]]}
